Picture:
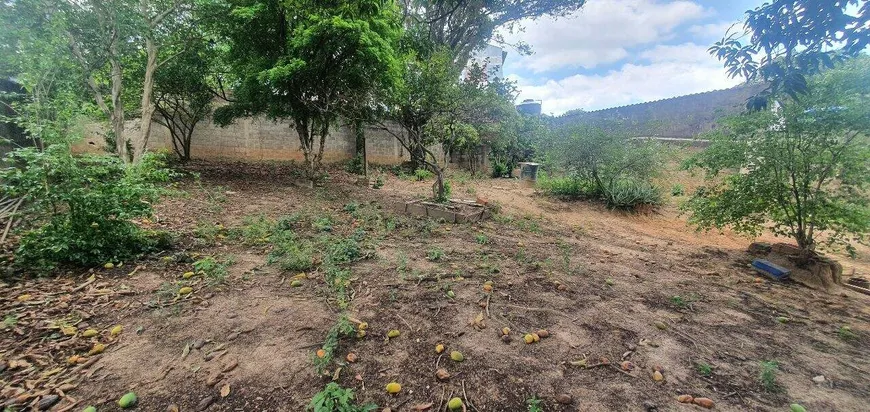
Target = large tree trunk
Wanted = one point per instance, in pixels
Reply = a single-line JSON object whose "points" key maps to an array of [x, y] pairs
{"points": [[140, 145]]}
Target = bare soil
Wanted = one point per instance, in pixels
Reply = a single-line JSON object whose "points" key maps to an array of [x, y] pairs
{"points": [[607, 286]]}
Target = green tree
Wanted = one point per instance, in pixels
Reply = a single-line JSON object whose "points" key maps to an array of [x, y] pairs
{"points": [[307, 61], [791, 39], [799, 170], [463, 26], [182, 95]]}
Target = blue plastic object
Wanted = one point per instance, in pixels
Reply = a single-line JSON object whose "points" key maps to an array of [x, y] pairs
{"points": [[771, 269]]}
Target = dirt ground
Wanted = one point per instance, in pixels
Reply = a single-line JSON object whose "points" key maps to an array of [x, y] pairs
{"points": [[607, 286]]}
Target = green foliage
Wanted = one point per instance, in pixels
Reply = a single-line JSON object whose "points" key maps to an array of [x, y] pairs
{"points": [[81, 209], [767, 376], [379, 182], [481, 239], [797, 171], [629, 194], [342, 328], [290, 252], [422, 174], [704, 369], [435, 254], [845, 333], [213, 269], [334, 398], [788, 40], [601, 164], [534, 404], [307, 61], [322, 224], [444, 195], [678, 190], [208, 233]]}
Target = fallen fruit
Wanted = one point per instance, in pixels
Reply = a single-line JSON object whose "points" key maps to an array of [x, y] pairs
{"points": [[225, 390], [89, 409], [97, 349], [782, 319], [24, 298], [454, 404], [529, 338], [321, 353], [657, 376], [69, 330], [506, 331], [543, 333], [109, 265], [451, 294], [442, 374], [90, 333], [128, 400], [361, 334], [609, 282], [685, 399], [439, 348], [795, 407], [393, 388], [393, 333], [116, 330], [362, 326], [536, 337], [187, 275], [351, 357], [487, 288], [704, 402], [661, 325], [457, 356], [185, 290], [626, 365]]}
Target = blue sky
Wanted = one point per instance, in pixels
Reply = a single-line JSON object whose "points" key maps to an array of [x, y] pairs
{"points": [[617, 52]]}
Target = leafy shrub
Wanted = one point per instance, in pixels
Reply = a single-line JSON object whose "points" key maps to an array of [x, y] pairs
{"points": [[334, 398], [567, 187], [629, 194], [379, 182], [445, 195], [291, 253], [678, 190], [500, 169], [422, 174], [767, 376], [81, 209], [213, 269]]}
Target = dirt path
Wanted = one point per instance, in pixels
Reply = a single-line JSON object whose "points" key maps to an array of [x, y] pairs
{"points": [[607, 287]]}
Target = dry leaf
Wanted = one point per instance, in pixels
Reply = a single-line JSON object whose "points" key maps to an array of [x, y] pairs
{"points": [[225, 390], [185, 351]]}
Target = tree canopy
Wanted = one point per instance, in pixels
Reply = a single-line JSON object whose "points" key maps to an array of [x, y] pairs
{"points": [[306, 61], [784, 41]]}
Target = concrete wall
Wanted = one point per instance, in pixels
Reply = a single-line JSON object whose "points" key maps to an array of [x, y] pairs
{"points": [[677, 117], [256, 139]]}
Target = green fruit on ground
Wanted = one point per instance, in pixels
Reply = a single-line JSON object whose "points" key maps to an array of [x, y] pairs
{"points": [[109, 265], [295, 283], [128, 400], [451, 294], [797, 408], [457, 356], [393, 333], [89, 409], [455, 404]]}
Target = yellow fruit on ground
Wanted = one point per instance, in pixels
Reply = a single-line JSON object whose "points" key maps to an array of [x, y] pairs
{"points": [[90, 333], [454, 404], [24, 298], [439, 348], [187, 275], [185, 290], [536, 337], [506, 331], [363, 326], [457, 356], [97, 349], [393, 333], [109, 265], [393, 388], [487, 288], [528, 338], [116, 330]]}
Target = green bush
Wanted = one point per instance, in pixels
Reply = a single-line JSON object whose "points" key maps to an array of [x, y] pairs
{"points": [[334, 398], [629, 194], [291, 253], [567, 187], [422, 174], [500, 169], [81, 210]]}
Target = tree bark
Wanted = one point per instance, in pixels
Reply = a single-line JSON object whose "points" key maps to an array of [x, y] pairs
{"points": [[140, 145]]}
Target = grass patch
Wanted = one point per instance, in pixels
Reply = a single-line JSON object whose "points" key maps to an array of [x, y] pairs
{"points": [[767, 376], [334, 398], [213, 269]]}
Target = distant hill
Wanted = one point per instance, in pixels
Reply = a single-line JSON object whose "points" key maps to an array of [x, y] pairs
{"points": [[676, 117]]}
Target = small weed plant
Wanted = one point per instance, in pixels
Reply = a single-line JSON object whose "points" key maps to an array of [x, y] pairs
{"points": [[435, 254], [334, 398], [704, 369], [767, 376], [534, 404], [213, 269]]}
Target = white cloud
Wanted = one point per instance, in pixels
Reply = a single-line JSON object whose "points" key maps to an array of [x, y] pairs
{"points": [[674, 71], [715, 31], [601, 33]]}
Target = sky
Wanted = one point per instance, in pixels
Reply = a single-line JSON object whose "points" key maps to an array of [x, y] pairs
{"points": [[618, 52]]}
